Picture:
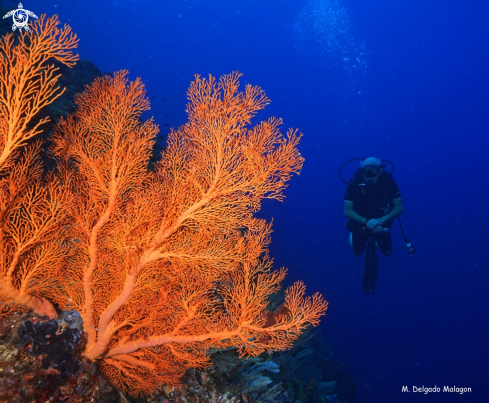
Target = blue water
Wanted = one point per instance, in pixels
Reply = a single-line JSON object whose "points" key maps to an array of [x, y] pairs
{"points": [[404, 81]]}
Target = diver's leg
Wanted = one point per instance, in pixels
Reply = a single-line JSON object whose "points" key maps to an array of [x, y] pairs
{"points": [[357, 242], [384, 243], [371, 267]]}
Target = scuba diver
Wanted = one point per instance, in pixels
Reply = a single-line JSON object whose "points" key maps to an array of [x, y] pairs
{"points": [[372, 201]]}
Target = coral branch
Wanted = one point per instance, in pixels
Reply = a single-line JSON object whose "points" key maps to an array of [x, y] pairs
{"points": [[28, 83], [31, 217]]}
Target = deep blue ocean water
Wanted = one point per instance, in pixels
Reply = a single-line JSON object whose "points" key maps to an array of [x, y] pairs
{"points": [[403, 81]]}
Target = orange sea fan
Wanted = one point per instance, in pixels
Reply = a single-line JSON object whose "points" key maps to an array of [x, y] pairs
{"points": [[31, 215], [162, 265], [169, 263]]}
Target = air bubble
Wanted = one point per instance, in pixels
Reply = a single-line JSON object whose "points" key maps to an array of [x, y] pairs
{"points": [[325, 26]]}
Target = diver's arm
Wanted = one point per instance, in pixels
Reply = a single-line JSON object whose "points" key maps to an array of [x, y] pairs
{"points": [[375, 224], [395, 212], [352, 215]]}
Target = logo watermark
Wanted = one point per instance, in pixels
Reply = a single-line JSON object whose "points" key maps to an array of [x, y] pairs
{"points": [[20, 17]]}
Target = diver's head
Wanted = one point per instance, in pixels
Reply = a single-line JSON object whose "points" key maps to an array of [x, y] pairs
{"points": [[371, 169]]}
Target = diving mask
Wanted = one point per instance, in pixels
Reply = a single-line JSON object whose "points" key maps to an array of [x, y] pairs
{"points": [[371, 171]]}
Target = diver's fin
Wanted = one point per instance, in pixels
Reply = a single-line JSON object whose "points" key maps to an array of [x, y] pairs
{"points": [[371, 267]]}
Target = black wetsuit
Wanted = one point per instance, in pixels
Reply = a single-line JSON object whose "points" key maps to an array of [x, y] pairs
{"points": [[371, 201]]}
